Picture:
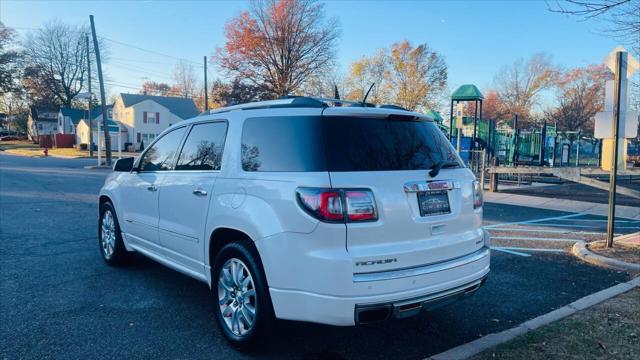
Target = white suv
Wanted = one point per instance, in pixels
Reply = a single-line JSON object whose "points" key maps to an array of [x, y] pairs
{"points": [[298, 210]]}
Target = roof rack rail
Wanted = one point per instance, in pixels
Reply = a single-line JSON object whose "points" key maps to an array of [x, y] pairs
{"points": [[290, 101]]}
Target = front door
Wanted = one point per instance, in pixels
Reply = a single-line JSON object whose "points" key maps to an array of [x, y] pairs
{"points": [[185, 195], [140, 208], [140, 191]]}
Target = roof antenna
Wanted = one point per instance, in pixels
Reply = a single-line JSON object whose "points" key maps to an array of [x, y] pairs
{"points": [[336, 95], [364, 100]]}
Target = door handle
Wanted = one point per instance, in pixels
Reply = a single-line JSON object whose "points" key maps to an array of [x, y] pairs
{"points": [[199, 192], [152, 188]]}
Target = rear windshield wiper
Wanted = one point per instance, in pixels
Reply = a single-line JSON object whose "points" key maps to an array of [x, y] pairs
{"points": [[435, 169]]}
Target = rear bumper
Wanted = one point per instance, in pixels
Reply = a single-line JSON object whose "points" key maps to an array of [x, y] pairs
{"points": [[395, 294]]}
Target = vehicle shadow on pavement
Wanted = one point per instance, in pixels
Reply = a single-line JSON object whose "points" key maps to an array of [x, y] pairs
{"points": [[518, 289]]}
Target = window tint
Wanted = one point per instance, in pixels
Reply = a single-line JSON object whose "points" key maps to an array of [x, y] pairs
{"points": [[292, 143], [203, 148], [160, 156], [365, 144]]}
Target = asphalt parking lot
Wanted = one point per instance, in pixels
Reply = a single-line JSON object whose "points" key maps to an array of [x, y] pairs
{"points": [[59, 300]]}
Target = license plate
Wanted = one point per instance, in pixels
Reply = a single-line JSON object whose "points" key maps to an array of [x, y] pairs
{"points": [[433, 202]]}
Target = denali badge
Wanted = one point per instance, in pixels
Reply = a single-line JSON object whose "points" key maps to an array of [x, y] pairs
{"points": [[376, 262], [439, 186]]}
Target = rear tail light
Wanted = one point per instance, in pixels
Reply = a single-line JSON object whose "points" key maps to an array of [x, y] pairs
{"points": [[360, 205], [477, 194], [338, 205]]}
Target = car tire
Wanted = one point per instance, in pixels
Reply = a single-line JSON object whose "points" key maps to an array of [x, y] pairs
{"points": [[110, 240], [242, 304]]}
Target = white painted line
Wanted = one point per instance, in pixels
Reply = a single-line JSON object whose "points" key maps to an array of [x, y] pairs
{"points": [[486, 342], [602, 220], [533, 238], [509, 251], [585, 226], [551, 231], [527, 249], [533, 221]]}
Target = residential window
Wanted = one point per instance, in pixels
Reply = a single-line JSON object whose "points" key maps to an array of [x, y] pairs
{"points": [[39, 126], [110, 114], [151, 117]]}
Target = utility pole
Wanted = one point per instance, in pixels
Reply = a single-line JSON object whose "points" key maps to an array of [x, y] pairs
{"points": [[620, 75], [105, 124], [206, 87], [86, 38]]}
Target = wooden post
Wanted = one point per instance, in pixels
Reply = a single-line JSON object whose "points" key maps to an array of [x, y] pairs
{"points": [[103, 100], [86, 38], [206, 90]]}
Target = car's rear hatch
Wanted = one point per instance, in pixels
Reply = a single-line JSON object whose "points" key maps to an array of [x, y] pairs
{"points": [[422, 219]]}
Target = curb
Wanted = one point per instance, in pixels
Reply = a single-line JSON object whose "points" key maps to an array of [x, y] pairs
{"points": [[475, 347], [581, 251]]}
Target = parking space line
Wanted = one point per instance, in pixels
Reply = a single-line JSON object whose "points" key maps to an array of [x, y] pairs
{"points": [[533, 238], [533, 221], [526, 249], [602, 220], [509, 251], [550, 231], [584, 226]]}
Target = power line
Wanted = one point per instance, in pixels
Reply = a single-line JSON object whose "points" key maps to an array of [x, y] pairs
{"points": [[135, 69], [102, 37], [152, 51]]}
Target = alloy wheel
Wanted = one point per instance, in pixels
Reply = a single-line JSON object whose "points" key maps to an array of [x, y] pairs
{"points": [[108, 234], [237, 297]]}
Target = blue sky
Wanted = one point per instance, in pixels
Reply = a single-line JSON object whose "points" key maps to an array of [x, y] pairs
{"points": [[476, 37]]}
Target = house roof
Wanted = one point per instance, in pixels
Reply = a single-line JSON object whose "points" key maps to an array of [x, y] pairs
{"points": [[184, 108], [44, 114], [97, 111], [467, 92], [74, 114]]}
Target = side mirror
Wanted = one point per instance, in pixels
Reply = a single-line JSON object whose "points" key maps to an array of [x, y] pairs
{"points": [[124, 165]]}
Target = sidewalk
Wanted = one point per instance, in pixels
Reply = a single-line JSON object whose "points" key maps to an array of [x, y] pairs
{"points": [[629, 212], [609, 330]]}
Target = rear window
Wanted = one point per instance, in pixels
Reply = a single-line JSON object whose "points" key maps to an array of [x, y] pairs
{"points": [[367, 144], [332, 143], [288, 143]]}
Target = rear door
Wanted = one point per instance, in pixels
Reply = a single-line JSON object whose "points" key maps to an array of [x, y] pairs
{"points": [[185, 194], [421, 219]]}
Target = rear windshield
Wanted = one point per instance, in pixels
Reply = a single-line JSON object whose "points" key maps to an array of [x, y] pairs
{"points": [[366, 144], [331, 143]]}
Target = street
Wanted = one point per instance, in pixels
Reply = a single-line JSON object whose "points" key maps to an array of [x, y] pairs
{"points": [[59, 300]]}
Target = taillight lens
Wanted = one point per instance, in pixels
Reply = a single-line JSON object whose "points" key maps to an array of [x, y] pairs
{"points": [[477, 194], [360, 205], [338, 205]]}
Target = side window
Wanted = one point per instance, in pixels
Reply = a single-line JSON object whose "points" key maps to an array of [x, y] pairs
{"points": [[203, 148], [291, 143], [161, 154]]}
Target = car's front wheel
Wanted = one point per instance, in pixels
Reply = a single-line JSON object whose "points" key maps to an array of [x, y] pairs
{"points": [[109, 236], [243, 308]]}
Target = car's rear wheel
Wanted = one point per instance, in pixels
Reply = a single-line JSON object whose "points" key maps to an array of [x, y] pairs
{"points": [[243, 307], [109, 236]]}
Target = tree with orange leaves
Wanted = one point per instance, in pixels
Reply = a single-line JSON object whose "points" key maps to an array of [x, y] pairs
{"points": [[278, 44]]}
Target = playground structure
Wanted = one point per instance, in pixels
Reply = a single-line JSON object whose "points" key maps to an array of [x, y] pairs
{"points": [[507, 151]]}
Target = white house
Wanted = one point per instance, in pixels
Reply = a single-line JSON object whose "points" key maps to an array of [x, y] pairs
{"points": [[68, 119], [42, 121], [82, 129], [146, 116]]}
